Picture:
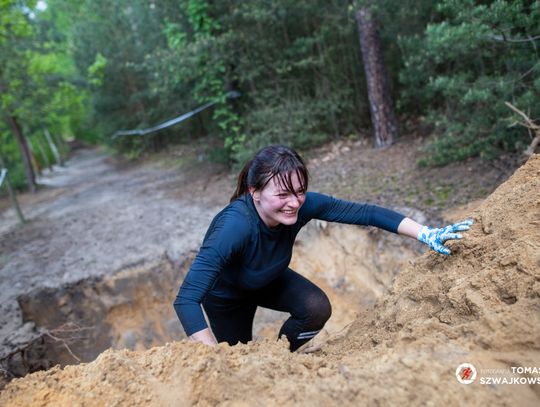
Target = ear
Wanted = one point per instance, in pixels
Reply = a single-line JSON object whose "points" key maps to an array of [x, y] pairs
{"points": [[256, 195]]}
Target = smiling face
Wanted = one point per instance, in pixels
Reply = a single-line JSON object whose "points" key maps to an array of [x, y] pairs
{"points": [[276, 203]]}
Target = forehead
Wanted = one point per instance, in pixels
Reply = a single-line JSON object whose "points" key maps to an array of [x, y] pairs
{"points": [[284, 181]]}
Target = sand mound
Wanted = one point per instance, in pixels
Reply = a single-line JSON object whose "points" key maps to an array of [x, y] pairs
{"points": [[481, 306]]}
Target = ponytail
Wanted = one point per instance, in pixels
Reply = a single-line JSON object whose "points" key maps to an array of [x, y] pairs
{"points": [[242, 184]]}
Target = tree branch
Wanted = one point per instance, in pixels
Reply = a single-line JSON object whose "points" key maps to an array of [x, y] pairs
{"points": [[63, 343], [529, 124], [54, 334]]}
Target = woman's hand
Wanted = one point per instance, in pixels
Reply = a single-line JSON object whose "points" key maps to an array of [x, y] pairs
{"points": [[205, 336], [435, 237]]}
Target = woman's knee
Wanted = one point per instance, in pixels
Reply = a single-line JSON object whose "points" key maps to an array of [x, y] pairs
{"points": [[325, 309], [319, 309]]}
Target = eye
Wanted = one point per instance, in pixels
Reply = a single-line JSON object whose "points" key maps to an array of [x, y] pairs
{"points": [[283, 196]]}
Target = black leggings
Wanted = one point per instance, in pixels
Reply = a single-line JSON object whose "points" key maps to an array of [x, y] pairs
{"points": [[231, 320]]}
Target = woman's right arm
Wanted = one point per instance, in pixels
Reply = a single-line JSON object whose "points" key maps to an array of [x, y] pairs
{"points": [[225, 239]]}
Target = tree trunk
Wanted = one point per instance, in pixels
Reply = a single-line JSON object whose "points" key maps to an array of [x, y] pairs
{"points": [[25, 152], [380, 100]]}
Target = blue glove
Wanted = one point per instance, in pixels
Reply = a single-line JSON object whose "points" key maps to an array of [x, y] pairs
{"points": [[435, 238]]}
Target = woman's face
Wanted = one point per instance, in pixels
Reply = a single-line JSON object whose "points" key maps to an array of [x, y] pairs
{"points": [[275, 204]]}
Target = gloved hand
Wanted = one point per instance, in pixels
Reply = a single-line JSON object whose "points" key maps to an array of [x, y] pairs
{"points": [[435, 237]]}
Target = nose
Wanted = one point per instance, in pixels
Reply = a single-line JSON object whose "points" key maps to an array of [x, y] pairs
{"points": [[294, 202]]}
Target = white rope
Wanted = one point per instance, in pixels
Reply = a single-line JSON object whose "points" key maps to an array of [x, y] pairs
{"points": [[164, 125], [143, 132]]}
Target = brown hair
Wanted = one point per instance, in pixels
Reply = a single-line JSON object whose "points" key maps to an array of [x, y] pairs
{"points": [[271, 161]]}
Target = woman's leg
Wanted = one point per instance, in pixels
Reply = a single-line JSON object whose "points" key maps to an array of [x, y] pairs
{"points": [[231, 321], [308, 305]]}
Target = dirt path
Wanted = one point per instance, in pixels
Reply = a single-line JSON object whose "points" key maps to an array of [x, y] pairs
{"points": [[93, 219]]}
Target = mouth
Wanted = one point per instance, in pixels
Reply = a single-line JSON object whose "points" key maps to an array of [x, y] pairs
{"points": [[289, 213]]}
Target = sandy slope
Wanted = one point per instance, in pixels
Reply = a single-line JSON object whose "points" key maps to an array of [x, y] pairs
{"points": [[481, 305]]}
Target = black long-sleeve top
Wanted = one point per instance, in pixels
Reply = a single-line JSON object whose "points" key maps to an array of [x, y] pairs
{"points": [[240, 253]]}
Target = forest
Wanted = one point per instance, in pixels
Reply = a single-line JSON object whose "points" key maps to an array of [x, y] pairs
{"points": [[282, 71]]}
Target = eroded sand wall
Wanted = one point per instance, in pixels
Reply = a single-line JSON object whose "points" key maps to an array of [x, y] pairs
{"points": [[131, 309]]}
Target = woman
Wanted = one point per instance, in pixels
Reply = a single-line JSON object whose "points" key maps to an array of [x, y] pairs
{"points": [[243, 261]]}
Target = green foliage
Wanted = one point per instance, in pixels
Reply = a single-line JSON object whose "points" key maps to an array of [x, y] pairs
{"points": [[297, 65], [96, 71], [87, 69], [462, 69], [37, 82], [210, 81], [296, 55], [199, 18], [112, 44], [293, 123], [145, 62]]}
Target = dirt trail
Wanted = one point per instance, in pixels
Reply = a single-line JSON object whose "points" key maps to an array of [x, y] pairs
{"points": [[481, 306]]}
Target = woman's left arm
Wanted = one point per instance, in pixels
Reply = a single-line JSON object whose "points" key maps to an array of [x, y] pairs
{"points": [[433, 237], [409, 227], [325, 207]]}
